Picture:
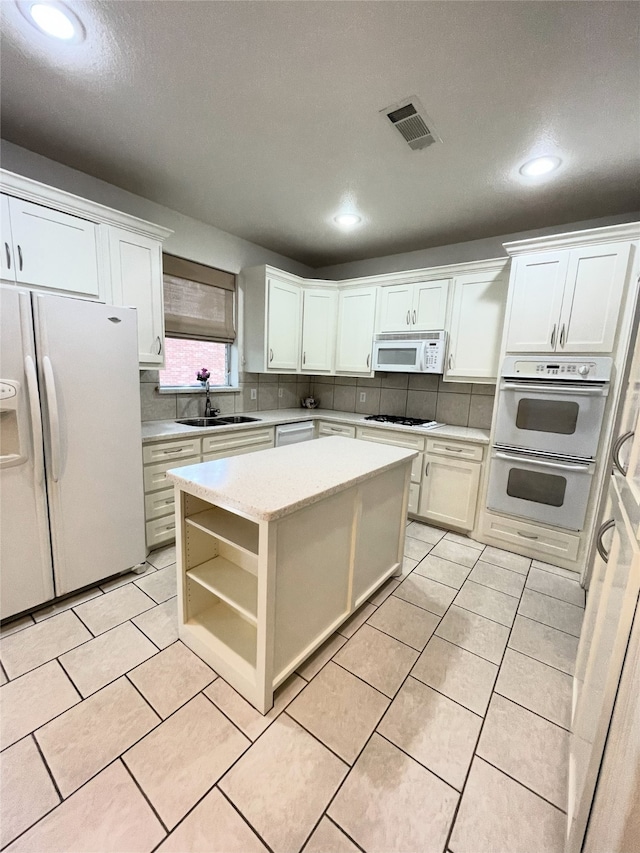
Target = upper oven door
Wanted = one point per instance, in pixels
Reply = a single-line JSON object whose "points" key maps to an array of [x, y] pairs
{"points": [[564, 418]]}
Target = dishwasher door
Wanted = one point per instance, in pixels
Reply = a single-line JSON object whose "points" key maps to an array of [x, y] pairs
{"points": [[293, 433]]}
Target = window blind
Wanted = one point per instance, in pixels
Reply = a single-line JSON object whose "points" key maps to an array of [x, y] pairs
{"points": [[199, 301]]}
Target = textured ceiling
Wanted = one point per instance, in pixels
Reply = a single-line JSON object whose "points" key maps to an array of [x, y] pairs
{"points": [[261, 118]]}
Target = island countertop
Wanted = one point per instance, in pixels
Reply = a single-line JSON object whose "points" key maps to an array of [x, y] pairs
{"points": [[270, 484]]}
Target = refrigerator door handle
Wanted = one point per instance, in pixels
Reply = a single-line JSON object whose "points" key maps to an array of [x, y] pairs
{"points": [[36, 423], [54, 417]]}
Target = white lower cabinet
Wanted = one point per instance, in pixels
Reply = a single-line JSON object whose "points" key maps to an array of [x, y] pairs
{"points": [[549, 544], [326, 428], [159, 457], [398, 439], [451, 481]]}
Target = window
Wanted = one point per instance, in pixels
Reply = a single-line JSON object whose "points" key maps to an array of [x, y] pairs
{"points": [[199, 308]]}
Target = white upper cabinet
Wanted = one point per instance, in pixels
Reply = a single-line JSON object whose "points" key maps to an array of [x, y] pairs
{"points": [[538, 287], [356, 319], [592, 297], [7, 268], [136, 276], [284, 313], [475, 325], [567, 300], [414, 306], [319, 314], [50, 249]]}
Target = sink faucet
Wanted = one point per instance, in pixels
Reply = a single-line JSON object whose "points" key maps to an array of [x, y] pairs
{"points": [[208, 411]]}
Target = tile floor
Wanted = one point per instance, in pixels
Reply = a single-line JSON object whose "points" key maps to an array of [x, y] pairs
{"points": [[435, 720]]}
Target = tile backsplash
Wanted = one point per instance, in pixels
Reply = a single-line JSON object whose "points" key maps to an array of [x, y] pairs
{"points": [[414, 395], [410, 394]]}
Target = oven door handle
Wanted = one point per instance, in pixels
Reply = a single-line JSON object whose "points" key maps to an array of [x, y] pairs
{"points": [[560, 389], [568, 466]]}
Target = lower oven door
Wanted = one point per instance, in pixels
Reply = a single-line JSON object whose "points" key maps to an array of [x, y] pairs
{"points": [[551, 491]]}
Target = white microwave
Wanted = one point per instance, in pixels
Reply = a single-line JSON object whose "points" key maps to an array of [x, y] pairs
{"points": [[421, 352]]}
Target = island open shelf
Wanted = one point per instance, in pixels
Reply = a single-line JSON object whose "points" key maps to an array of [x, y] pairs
{"points": [[277, 548]]}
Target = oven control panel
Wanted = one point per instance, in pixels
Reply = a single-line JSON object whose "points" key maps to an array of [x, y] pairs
{"points": [[596, 369]]}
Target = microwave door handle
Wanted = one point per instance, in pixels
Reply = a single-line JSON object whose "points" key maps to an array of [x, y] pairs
{"points": [[421, 358], [560, 388], [569, 466]]}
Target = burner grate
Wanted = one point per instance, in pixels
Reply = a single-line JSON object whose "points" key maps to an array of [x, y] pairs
{"points": [[399, 419]]}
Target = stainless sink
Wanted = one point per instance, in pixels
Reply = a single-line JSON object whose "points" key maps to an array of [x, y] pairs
{"points": [[212, 422], [203, 422]]}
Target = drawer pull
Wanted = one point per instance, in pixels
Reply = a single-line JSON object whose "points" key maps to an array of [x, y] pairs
{"points": [[553, 336], [8, 254], [408, 315], [454, 449], [600, 547], [170, 501], [426, 470], [562, 336], [414, 318], [527, 535], [158, 339], [20, 257]]}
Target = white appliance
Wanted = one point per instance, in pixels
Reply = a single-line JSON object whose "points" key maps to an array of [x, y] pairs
{"points": [[71, 493], [548, 422], [604, 756], [294, 433], [549, 489], [553, 406], [415, 352]]}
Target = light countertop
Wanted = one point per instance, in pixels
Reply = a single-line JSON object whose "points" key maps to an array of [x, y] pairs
{"points": [[163, 430], [269, 484]]}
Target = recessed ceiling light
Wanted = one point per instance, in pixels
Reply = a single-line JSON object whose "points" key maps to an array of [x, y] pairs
{"points": [[54, 19], [347, 220], [540, 166]]}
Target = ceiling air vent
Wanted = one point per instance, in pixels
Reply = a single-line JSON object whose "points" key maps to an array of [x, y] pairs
{"points": [[410, 119]]}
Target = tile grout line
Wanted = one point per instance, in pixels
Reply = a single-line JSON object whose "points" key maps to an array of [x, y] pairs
{"points": [[555, 598], [518, 782], [49, 771], [146, 799], [251, 827], [535, 713], [474, 753], [340, 829], [553, 628]]}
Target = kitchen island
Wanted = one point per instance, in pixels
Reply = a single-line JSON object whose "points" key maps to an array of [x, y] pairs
{"points": [[277, 548]]}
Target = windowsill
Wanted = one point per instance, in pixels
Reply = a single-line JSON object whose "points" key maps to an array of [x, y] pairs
{"points": [[214, 389]]}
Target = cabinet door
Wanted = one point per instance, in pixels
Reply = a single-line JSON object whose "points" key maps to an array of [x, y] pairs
{"points": [[429, 305], [449, 491], [54, 250], [475, 330], [396, 303], [283, 325], [538, 284], [136, 272], [592, 298], [356, 317], [7, 265], [320, 307]]}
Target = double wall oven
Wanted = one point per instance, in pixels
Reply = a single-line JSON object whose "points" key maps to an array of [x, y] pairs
{"points": [[548, 425]]}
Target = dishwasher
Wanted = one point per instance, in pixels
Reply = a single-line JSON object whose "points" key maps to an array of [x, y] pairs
{"points": [[293, 433]]}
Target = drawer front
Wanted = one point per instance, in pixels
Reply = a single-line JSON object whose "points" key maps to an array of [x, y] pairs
{"points": [[336, 429], [172, 450], [155, 476], [157, 504], [549, 544], [237, 451], [161, 531], [414, 498], [455, 449], [227, 443], [397, 439]]}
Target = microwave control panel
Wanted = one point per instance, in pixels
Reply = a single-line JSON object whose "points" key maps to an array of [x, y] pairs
{"points": [[434, 356]]}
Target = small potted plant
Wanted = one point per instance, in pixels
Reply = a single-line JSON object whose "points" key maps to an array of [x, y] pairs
{"points": [[203, 378]]}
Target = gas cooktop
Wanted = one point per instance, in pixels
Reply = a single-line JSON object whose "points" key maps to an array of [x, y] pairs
{"points": [[403, 421]]}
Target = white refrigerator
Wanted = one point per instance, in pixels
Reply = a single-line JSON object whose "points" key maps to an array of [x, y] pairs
{"points": [[71, 489]]}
